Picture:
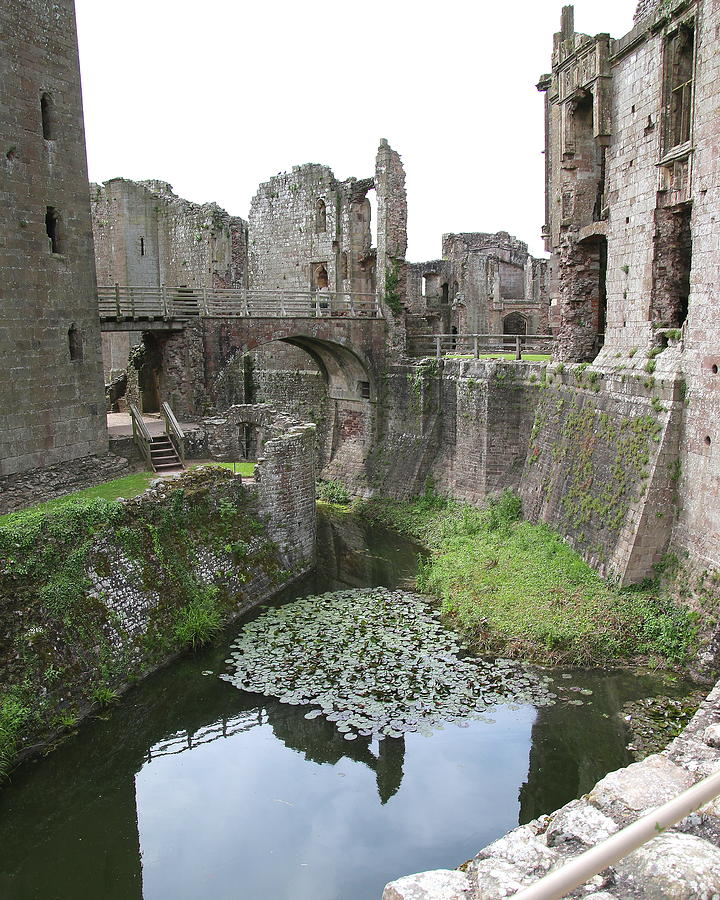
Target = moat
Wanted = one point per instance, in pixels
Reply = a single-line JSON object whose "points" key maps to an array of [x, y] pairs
{"points": [[191, 788]]}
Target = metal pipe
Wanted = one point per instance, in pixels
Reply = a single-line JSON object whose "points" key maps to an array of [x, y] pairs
{"points": [[593, 861]]}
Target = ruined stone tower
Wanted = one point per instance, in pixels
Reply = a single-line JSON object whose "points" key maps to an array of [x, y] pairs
{"points": [[51, 394]]}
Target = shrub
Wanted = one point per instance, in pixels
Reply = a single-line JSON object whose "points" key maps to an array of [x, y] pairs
{"points": [[332, 492], [200, 620]]}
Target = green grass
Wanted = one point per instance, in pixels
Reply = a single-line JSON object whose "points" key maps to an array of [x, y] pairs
{"points": [[246, 469], [515, 588], [128, 486]]}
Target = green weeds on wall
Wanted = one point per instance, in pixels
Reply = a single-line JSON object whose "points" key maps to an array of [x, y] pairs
{"points": [[69, 645]]}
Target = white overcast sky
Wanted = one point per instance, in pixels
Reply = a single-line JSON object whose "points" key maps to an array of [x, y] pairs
{"points": [[219, 95]]}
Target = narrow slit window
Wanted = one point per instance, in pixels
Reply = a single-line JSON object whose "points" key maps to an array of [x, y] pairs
{"points": [[75, 343], [53, 227], [142, 246], [47, 112], [320, 216]]}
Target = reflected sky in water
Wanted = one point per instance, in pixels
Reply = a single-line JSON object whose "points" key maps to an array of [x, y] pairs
{"points": [[190, 789]]}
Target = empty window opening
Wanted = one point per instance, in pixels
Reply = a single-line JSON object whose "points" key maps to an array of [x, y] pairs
{"points": [[679, 64], [672, 263], [714, 369], [364, 387], [53, 227], [445, 296], [75, 342], [320, 216], [47, 113], [142, 247], [320, 276], [248, 441], [707, 440], [515, 323], [424, 286]]}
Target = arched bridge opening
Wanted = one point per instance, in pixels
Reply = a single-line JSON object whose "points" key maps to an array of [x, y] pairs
{"points": [[324, 379]]}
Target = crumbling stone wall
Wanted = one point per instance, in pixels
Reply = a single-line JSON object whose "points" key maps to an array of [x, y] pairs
{"points": [[36, 485], [492, 276], [145, 235], [52, 407], [310, 231], [128, 620], [392, 241]]}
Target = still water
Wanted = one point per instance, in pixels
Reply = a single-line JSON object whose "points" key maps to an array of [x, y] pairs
{"points": [[193, 789]]}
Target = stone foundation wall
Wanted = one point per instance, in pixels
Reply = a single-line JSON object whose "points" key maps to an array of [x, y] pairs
{"points": [[592, 455], [202, 547], [681, 862], [37, 485]]}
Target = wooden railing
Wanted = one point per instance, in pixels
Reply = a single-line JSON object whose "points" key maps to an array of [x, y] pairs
{"points": [[121, 302], [174, 432], [473, 346], [141, 435]]}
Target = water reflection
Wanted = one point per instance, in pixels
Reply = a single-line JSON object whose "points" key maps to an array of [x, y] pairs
{"points": [[193, 789]]}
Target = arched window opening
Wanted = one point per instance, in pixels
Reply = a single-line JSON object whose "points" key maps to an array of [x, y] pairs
{"points": [[320, 217], [445, 298], [53, 227], [320, 276], [515, 323], [75, 343], [47, 112]]}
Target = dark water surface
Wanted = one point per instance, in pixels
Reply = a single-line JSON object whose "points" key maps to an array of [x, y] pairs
{"points": [[192, 789]]}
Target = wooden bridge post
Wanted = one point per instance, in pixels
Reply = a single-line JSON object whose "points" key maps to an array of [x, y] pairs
{"points": [[117, 301], [476, 347], [518, 352], [164, 302], [438, 339]]}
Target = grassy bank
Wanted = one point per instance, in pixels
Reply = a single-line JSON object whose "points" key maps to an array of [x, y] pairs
{"points": [[514, 588], [166, 575]]}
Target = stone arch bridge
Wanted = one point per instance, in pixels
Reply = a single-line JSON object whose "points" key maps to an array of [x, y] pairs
{"points": [[197, 334]]}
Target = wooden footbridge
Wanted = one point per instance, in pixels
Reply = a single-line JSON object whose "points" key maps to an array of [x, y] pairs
{"points": [[126, 308]]}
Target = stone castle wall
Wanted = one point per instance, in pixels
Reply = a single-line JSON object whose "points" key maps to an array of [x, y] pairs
{"points": [[52, 407], [596, 458], [155, 563]]}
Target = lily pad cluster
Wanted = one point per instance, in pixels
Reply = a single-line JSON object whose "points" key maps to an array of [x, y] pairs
{"points": [[376, 662]]}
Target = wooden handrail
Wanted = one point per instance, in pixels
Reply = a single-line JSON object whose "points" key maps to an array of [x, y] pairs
{"points": [[141, 435], [174, 432]]}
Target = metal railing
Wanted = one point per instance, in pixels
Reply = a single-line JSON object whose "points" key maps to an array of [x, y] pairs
{"points": [[577, 871], [174, 432], [121, 302], [141, 435], [473, 346]]}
